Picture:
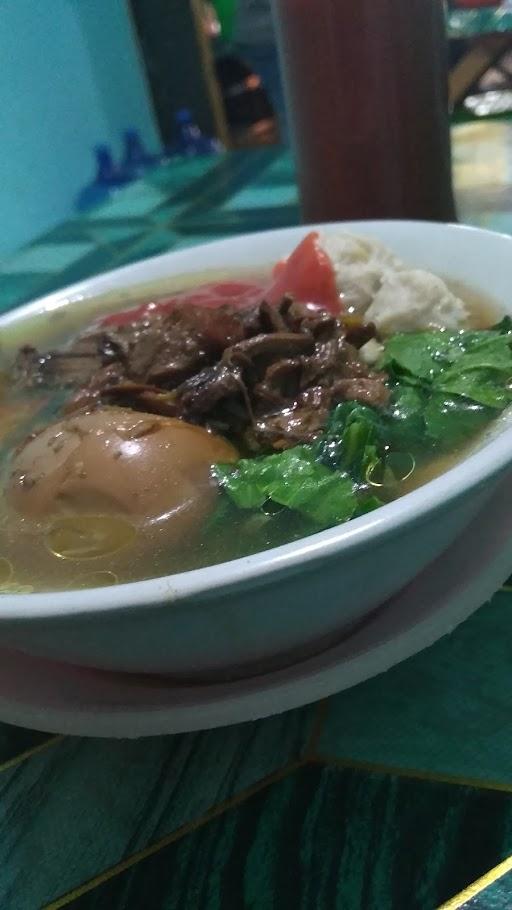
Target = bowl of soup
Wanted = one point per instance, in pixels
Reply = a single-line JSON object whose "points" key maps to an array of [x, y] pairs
{"points": [[220, 460]]}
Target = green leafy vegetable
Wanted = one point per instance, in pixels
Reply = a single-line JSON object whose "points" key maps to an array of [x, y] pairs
{"points": [[368, 504], [322, 482], [351, 440], [450, 420], [420, 355], [474, 365], [504, 327], [405, 422], [293, 479], [481, 386]]}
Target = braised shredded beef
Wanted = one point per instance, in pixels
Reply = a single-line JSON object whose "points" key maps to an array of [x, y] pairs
{"points": [[266, 375]]}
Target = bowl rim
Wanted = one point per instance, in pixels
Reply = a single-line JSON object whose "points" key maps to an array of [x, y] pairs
{"points": [[265, 566]]}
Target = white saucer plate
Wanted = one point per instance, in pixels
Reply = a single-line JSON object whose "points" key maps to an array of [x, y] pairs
{"points": [[59, 698]]}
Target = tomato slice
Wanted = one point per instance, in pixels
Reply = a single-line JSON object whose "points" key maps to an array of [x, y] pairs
{"points": [[308, 275]]}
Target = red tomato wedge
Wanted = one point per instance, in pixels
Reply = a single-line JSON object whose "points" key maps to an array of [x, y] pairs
{"points": [[308, 275]]}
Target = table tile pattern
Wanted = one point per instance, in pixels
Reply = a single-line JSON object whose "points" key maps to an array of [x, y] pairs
{"points": [[56, 800], [470, 23], [394, 796], [179, 204], [319, 839], [455, 721]]}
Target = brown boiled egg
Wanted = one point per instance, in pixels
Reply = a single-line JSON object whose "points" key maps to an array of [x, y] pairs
{"points": [[117, 465]]}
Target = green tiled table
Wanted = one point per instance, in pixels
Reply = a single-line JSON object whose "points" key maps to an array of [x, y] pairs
{"points": [[470, 23], [396, 795]]}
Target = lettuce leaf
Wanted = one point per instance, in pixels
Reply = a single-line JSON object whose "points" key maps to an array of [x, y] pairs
{"points": [[473, 365], [405, 419], [294, 479], [480, 386], [504, 327], [351, 440], [418, 354], [449, 420]]}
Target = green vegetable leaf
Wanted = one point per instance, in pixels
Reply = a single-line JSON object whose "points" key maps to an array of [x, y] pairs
{"points": [[244, 483], [351, 439], [481, 386], [504, 327], [449, 420], [474, 365], [368, 504], [420, 354], [405, 417], [293, 479]]}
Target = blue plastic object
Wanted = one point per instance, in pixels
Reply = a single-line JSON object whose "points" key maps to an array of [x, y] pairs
{"points": [[136, 160], [108, 179], [190, 140]]}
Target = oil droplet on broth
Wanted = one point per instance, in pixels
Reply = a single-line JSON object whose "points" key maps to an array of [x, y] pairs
{"points": [[89, 536], [6, 571], [94, 580]]}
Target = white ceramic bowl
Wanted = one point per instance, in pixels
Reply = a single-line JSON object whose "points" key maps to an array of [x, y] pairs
{"points": [[264, 610]]}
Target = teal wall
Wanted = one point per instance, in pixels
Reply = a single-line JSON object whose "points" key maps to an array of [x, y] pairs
{"points": [[117, 65], [70, 76]]}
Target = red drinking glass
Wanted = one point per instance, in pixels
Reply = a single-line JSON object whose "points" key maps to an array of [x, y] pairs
{"points": [[366, 83]]}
